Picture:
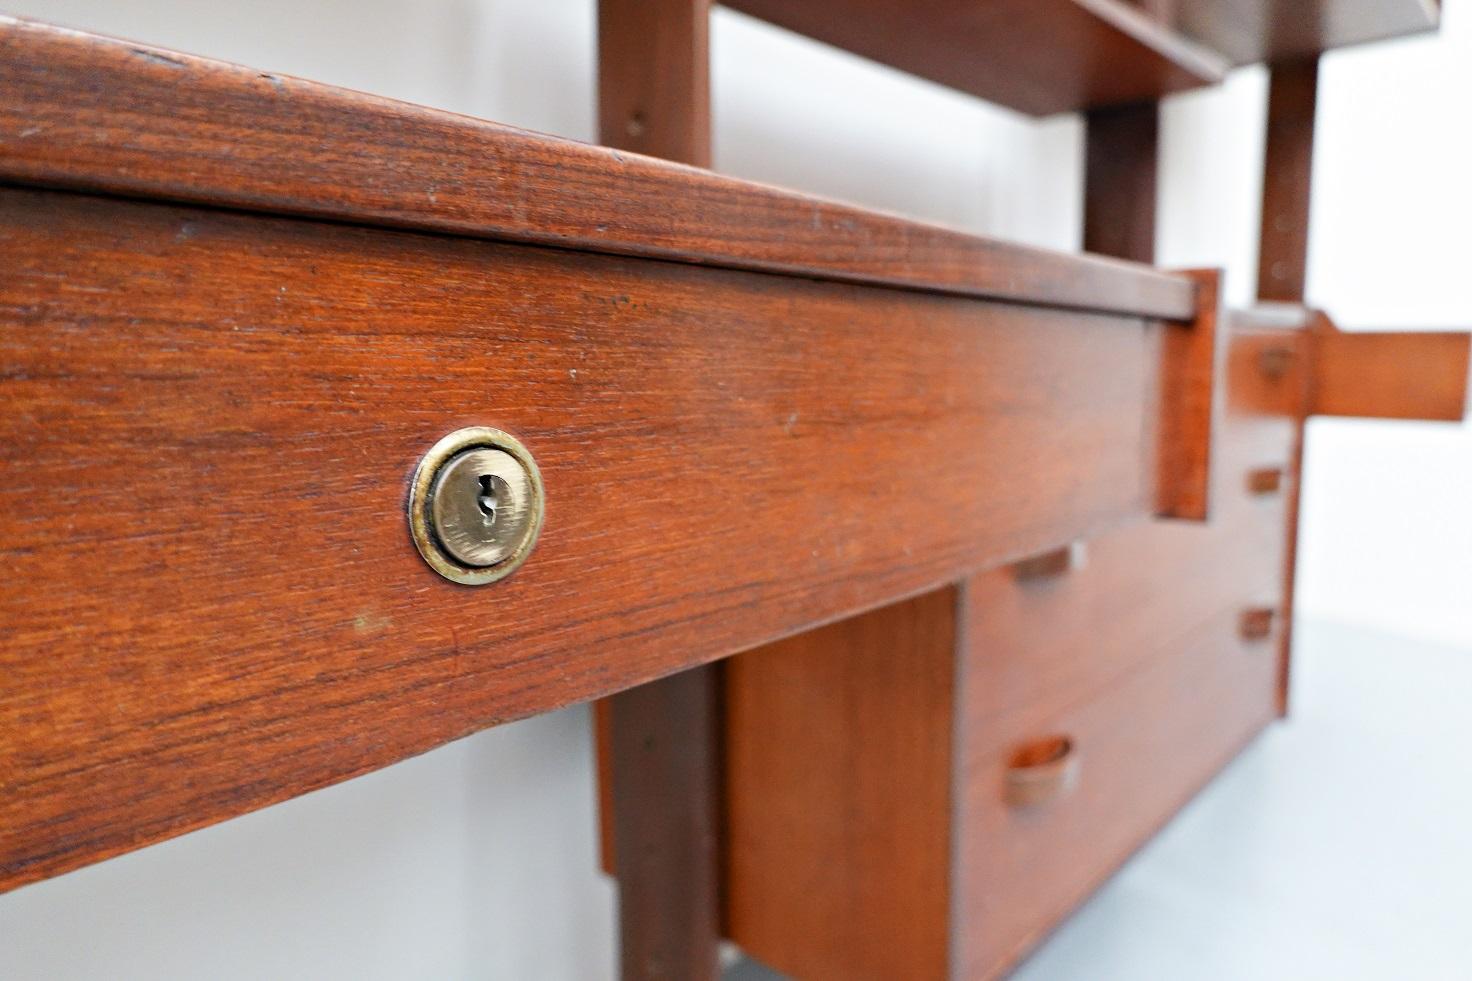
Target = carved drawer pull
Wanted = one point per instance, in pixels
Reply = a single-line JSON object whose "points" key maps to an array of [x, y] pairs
{"points": [[1041, 771]]}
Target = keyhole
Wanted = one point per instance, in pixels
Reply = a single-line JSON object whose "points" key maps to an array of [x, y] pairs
{"points": [[487, 499]]}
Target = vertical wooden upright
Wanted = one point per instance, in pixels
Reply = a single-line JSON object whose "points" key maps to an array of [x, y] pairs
{"points": [[654, 78], [659, 749], [1282, 263], [1287, 175], [1120, 165]]}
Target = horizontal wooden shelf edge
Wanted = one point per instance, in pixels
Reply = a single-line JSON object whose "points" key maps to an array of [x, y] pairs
{"points": [[729, 458], [90, 113]]}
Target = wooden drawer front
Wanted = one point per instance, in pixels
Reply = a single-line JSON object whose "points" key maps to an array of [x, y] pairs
{"points": [[210, 600], [1144, 747], [1039, 643], [1137, 656]]}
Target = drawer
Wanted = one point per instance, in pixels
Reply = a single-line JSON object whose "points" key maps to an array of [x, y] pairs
{"points": [[868, 834], [1139, 750], [1038, 643], [250, 397], [1035, 646]]}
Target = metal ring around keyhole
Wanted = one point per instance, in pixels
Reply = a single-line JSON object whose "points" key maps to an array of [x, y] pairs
{"points": [[476, 505]]}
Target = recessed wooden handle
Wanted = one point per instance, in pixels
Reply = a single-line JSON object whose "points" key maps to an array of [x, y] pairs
{"points": [[1257, 623], [1041, 771], [1052, 564], [1265, 480]]}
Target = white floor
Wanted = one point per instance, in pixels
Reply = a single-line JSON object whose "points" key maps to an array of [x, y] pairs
{"points": [[1338, 846]]}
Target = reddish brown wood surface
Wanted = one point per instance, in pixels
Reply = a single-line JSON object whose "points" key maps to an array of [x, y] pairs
{"points": [[1122, 146], [663, 791], [1146, 745], [1152, 621], [1283, 263], [85, 112], [728, 457], [1121, 152], [838, 775], [1190, 362], [658, 744], [1280, 384], [1036, 56], [1287, 181], [1390, 374], [1272, 30], [1133, 655], [654, 78]]}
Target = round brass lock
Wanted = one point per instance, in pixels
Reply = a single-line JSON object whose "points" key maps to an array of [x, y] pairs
{"points": [[476, 505]]}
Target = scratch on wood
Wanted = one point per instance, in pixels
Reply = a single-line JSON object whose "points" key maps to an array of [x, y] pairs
{"points": [[158, 58]]}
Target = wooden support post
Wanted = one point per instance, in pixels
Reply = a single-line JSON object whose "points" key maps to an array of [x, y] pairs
{"points": [[1119, 181], [1283, 262], [1287, 179], [1120, 177], [659, 744], [654, 78], [664, 778]]}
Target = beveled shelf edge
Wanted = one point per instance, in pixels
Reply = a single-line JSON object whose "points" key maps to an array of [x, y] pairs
{"points": [[85, 112]]}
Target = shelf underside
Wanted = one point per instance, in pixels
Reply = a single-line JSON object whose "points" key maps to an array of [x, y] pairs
{"points": [[1047, 56], [1248, 31]]}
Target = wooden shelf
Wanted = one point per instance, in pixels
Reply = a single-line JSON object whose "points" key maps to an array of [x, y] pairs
{"points": [[1036, 56], [94, 113], [244, 306], [1047, 56], [1247, 31]]}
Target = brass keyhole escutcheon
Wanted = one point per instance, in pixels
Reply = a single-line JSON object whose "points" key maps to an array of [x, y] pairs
{"points": [[476, 505]]}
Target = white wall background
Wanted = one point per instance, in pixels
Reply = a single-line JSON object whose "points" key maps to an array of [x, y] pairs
{"points": [[478, 860]]}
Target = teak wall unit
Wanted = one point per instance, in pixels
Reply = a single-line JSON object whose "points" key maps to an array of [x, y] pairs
{"points": [[1005, 534], [251, 358], [811, 741]]}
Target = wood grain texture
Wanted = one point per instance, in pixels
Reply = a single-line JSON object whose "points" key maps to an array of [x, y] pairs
{"points": [[1136, 658], [654, 78], [85, 112], [659, 746], [1035, 56], [1287, 181], [1121, 153], [1133, 655], [1248, 31], [1146, 745], [838, 794], [1390, 374], [1189, 395], [247, 618], [664, 785]]}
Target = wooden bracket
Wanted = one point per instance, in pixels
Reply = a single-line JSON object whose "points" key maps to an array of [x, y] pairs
{"points": [[1320, 370], [1189, 397], [1387, 374]]}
